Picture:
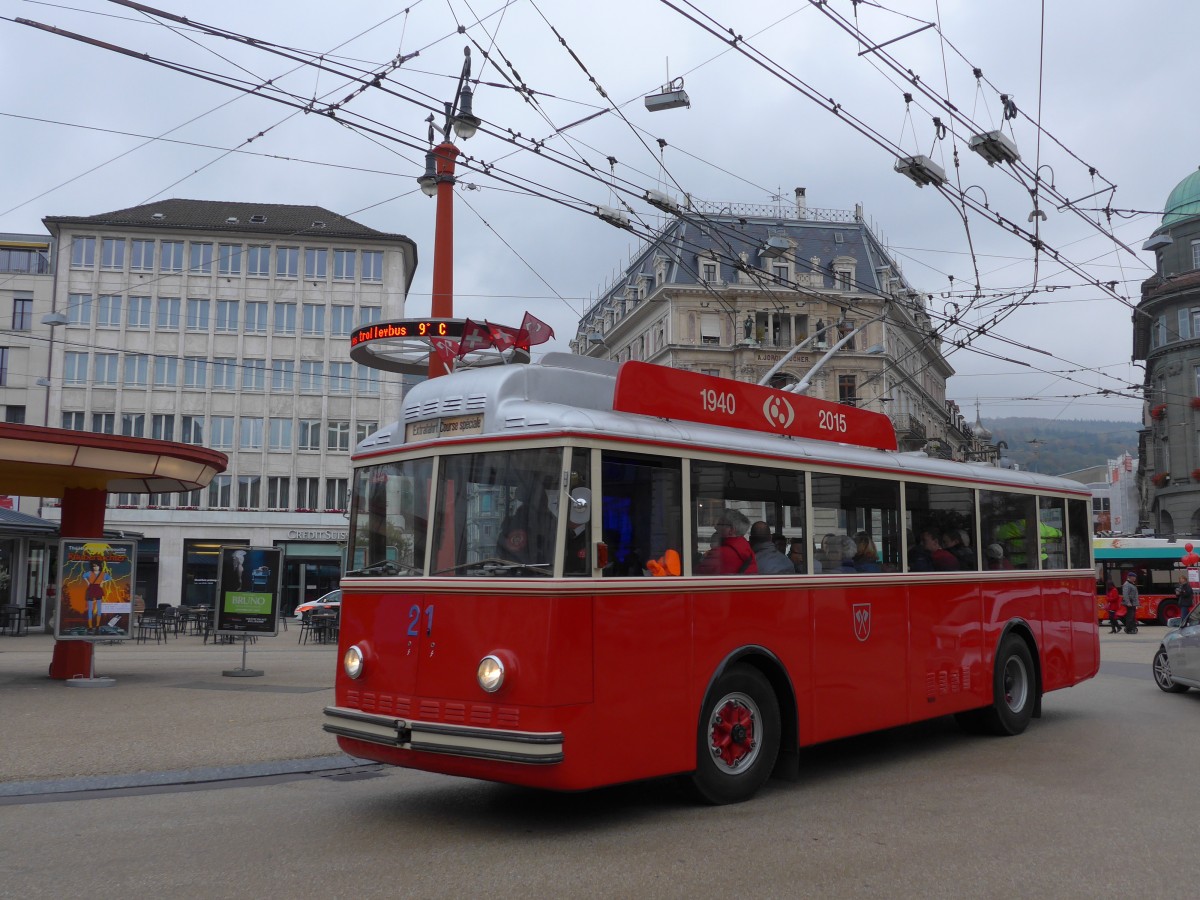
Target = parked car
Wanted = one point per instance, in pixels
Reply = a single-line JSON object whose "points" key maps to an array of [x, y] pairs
{"points": [[331, 601], [1177, 662]]}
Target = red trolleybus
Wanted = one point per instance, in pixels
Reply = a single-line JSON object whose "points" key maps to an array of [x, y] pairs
{"points": [[527, 599]]}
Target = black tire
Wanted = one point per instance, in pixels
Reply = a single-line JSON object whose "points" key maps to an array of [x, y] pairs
{"points": [[1014, 689], [1168, 609], [737, 740], [1162, 673]]}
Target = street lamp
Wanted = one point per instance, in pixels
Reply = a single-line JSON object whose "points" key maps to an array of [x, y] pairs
{"points": [[438, 181]]}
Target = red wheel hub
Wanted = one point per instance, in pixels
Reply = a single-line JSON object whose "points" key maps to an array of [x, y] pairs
{"points": [[732, 733]]}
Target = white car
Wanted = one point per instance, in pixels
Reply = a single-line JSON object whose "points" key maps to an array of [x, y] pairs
{"points": [[1177, 662], [327, 602]]}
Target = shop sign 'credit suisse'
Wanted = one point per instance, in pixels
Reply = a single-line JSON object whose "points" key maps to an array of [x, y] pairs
{"points": [[652, 390]]}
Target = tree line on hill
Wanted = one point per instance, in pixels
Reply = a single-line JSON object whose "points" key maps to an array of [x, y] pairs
{"points": [[1056, 446]]}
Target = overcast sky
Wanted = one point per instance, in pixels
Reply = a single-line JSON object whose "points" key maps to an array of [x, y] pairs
{"points": [[1109, 82]]}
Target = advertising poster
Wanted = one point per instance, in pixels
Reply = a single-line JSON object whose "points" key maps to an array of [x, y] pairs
{"points": [[95, 602], [248, 596]]}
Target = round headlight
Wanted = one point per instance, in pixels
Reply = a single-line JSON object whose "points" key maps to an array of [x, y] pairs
{"points": [[352, 662], [490, 674]]}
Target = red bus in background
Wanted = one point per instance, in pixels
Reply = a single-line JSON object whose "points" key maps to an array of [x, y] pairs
{"points": [[530, 596], [1157, 562]]}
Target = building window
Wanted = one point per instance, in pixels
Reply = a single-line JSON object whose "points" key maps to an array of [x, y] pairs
{"points": [[73, 421], [337, 493], [197, 314], [312, 377], [368, 380], [843, 279], [254, 374], [710, 272], [220, 434], [364, 430], [256, 317], [171, 256], [1158, 336], [370, 314], [166, 313], [339, 378], [780, 273], [343, 265], [108, 311], [248, 492], [133, 424], [309, 436], [283, 375], [710, 329], [1185, 316], [314, 319], [141, 256], [219, 491], [250, 432], [112, 254], [104, 423], [315, 262], [285, 318], [83, 252], [188, 499], [75, 367], [195, 372], [338, 434], [138, 313], [277, 491], [1196, 254], [166, 371], [279, 434], [137, 370], [14, 415], [201, 258], [3, 367], [104, 369], [191, 429], [846, 388], [258, 261], [341, 321], [162, 428], [22, 317], [229, 259], [79, 309], [306, 493], [227, 315], [287, 262], [224, 373], [24, 262], [372, 265]]}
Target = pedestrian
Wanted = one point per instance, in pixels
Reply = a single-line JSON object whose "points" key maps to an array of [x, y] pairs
{"points": [[1113, 606], [1130, 597], [1185, 595]]}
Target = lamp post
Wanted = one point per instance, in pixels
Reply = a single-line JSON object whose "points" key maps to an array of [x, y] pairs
{"points": [[438, 181]]}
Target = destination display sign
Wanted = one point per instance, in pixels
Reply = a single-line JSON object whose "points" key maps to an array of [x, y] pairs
{"points": [[652, 390]]}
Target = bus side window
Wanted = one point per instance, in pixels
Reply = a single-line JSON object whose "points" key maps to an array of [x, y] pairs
{"points": [[641, 511], [577, 552]]}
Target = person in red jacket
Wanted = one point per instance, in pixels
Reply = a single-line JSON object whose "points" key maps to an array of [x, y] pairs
{"points": [[733, 555]]}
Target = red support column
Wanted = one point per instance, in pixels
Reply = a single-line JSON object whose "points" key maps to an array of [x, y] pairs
{"points": [[443, 245], [82, 516]]}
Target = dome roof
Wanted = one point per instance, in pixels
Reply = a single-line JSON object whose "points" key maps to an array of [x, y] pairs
{"points": [[1184, 201]]}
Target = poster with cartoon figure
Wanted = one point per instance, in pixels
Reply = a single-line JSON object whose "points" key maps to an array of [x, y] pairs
{"points": [[95, 602]]}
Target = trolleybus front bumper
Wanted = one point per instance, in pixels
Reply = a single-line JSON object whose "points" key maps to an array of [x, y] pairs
{"points": [[539, 748]]}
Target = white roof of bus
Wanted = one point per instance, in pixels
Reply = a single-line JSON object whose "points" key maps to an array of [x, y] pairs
{"points": [[567, 393]]}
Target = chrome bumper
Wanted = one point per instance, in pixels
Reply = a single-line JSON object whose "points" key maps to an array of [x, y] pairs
{"points": [[538, 748]]}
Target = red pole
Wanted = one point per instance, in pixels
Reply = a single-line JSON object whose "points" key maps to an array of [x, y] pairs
{"points": [[443, 245]]}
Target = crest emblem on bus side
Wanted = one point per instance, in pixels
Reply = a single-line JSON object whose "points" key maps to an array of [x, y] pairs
{"points": [[862, 620], [778, 412]]}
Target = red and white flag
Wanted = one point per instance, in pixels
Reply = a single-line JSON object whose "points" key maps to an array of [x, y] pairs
{"points": [[503, 336], [533, 331], [475, 336], [447, 351]]}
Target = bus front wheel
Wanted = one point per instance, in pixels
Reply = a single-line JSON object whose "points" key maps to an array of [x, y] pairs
{"points": [[738, 737], [1014, 686]]}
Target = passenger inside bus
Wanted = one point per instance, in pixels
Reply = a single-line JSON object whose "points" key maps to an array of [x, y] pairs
{"points": [[733, 556], [770, 561], [866, 556]]}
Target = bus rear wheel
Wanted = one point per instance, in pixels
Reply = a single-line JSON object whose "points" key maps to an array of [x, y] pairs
{"points": [[738, 737], [1013, 693], [1168, 610]]}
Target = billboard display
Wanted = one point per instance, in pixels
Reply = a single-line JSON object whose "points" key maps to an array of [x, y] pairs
{"points": [[248, 596], [95, 599]]}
